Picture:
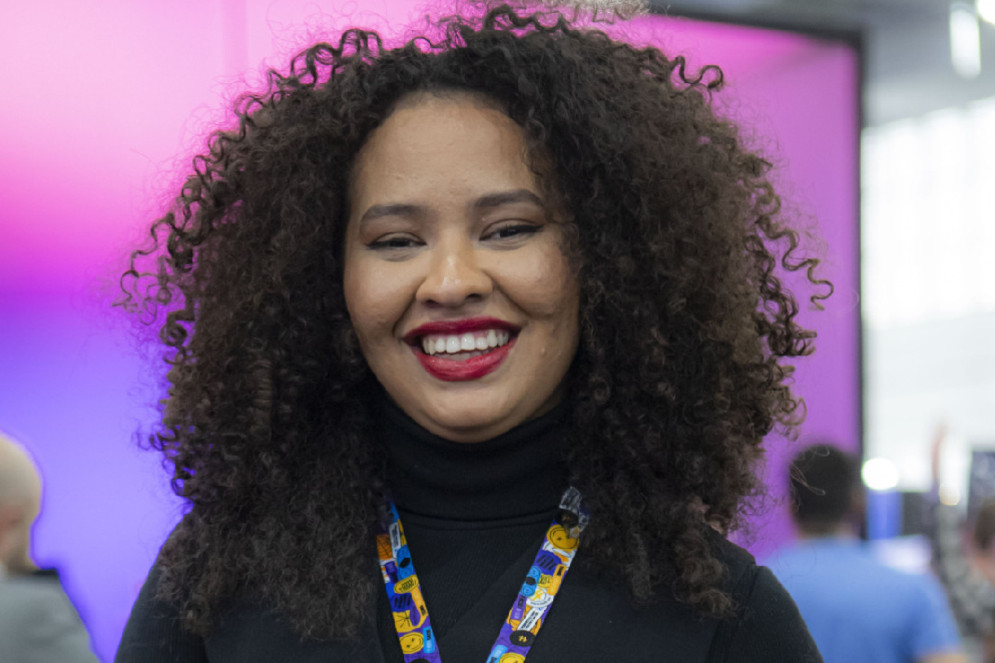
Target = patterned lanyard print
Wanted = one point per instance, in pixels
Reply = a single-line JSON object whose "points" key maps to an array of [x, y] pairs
{"points": [[520, 628]]}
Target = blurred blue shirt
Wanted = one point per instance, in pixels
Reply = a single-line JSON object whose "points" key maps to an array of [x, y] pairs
{"points": [[858, 609]]}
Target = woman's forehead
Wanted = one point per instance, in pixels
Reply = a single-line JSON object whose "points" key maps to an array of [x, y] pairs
{"points": [[441, 147]]}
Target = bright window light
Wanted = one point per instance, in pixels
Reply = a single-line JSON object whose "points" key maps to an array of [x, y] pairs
{"points": [[922, 176], [880, 474], [986, 10], [965, 40]]}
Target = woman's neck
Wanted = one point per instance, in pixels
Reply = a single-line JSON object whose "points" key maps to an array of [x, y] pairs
{"points": [[516, 474]]}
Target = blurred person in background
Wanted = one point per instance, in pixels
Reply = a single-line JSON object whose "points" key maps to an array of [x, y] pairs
{"points": [[857, 609], [964, 560], [37, 621]]}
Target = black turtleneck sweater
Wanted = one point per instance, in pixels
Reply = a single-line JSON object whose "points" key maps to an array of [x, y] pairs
{"points": [[474, 516]]}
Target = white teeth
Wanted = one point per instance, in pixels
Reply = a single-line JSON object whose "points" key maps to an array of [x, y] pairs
{"points": [[478, 341]]}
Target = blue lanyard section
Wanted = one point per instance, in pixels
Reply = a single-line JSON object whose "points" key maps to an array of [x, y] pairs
{"points": [[528, 612]]}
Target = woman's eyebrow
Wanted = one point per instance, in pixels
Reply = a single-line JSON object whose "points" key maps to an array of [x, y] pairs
{"points": [[505, 197], [391, 209]]}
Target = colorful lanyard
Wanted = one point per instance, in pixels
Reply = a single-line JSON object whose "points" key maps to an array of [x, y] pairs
{"points": [[520, 628]]}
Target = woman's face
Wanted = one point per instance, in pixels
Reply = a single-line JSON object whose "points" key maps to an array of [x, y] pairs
{"points": [[465, 306]]}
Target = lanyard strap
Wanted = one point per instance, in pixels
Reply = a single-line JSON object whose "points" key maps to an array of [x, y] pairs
{"points": [[520, 628]]}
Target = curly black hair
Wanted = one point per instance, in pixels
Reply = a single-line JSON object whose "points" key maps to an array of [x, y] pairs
{"points": [[685, 324]]}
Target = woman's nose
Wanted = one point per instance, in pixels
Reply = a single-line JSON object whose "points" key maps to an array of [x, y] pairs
{"points": [[454, 276]]}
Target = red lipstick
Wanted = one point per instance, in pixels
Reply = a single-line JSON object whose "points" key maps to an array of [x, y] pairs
{"points": [[452, 370]]}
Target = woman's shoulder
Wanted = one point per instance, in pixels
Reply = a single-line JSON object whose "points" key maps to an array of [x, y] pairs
{"points": [[741, 566], [767, 625], [245, 632], [154, 632]]}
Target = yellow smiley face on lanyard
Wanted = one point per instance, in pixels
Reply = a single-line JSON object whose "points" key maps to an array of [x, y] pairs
{"points": [[411, 643], [560, 538]]}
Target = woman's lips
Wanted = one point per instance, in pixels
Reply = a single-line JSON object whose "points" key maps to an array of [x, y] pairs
{"points": [[460, 370], [457, 327], [457, 370], [442, 346]]}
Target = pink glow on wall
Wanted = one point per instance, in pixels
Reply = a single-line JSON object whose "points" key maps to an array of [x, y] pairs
{"points": [[102, 105]]}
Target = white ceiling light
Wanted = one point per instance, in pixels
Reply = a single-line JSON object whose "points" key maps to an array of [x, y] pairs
{"points": [[986, 9], [965, 40], [880, 474]]}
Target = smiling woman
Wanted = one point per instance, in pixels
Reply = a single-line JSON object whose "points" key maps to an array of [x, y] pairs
{"points": [[516, 286], [456, 277]]}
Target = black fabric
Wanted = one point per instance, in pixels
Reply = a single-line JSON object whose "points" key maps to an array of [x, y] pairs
{"points": [[520, 473], [474, 516]]}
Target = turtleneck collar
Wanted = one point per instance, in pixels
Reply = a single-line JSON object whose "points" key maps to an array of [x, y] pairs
{"points": [[519, 473]]}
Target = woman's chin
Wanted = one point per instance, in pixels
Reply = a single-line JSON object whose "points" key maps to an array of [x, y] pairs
{"points": [[469, 422]]}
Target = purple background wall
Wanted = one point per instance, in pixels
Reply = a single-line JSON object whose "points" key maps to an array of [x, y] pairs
{"points": [[101, 106]]}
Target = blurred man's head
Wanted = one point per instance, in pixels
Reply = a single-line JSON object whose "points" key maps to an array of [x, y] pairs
{"points": [[826, 492], [20, 501]]}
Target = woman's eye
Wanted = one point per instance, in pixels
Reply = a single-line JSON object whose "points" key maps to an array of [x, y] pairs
{"points": [[513, 230], [393, 242]]}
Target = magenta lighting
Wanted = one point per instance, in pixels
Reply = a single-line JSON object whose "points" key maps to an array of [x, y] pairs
{"points": [[101, 107]]}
